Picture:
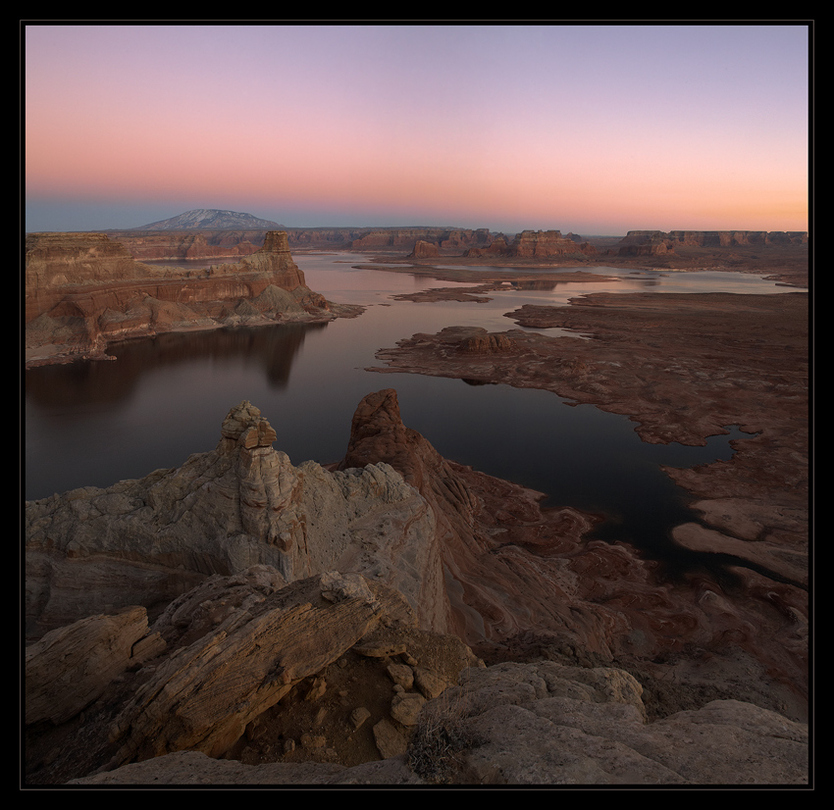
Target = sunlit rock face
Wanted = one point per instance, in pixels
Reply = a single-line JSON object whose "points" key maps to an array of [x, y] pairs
{"points": [[84, 290]]}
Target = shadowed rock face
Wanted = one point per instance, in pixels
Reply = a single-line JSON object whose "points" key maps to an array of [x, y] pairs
{"points": [[286, 598], [335, 664], [539, 723], [516, 573], [219, 659]]}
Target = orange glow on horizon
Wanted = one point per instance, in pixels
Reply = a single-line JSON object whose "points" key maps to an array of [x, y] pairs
{"points": [[535, 126]]}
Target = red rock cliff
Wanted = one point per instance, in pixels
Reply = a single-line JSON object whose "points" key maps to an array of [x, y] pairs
{"points": [[179, 245], [535, 245], [84, 290], [652, 243]]}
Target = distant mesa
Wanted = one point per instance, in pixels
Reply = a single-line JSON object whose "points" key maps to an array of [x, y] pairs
{"points": [[210, 233], [657, 243], [211, 219], [530, 244]]}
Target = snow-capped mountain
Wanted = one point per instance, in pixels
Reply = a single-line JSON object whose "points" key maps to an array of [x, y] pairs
{"points": [[212, 219]]}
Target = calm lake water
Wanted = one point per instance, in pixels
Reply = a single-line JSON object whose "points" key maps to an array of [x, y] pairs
{"points": [[95, 423]]}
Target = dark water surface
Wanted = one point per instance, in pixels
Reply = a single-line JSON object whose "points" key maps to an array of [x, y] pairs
{"points": [[95, 423]]}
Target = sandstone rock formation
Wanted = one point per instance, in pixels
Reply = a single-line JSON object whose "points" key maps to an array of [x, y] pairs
{"points": [[538, 245], [516, 573], [444, 239], [145, 541], [70, 667], [543, 244], [682, 367], [658, 243], [424, 250], [329, 680], [84, 291], [732, 238], [645, 243], [497, 247], [207, 692], [473, 555], [547, 723], [239, 607], [207, 673], [172, 240]]}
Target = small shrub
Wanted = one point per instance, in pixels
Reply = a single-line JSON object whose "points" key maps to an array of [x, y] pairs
{"points": [[434, 751]]}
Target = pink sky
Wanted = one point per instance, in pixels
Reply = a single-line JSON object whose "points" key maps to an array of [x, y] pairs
{"points": [[595, 129]]}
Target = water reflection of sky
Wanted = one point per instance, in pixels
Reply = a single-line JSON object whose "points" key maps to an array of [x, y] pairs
{"points": [[165, 398], [349, 278], [338, 277], [668, 281]]}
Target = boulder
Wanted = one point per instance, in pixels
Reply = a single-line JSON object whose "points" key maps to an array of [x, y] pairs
{"points": [[203, 695], [71, 666], [241, 666]]}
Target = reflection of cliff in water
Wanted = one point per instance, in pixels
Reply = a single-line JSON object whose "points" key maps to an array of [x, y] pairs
{"points": [[96, 382], [545, 285]]}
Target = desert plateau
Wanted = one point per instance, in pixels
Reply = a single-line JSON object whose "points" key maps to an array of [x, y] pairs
{"points": [[367, 532]]}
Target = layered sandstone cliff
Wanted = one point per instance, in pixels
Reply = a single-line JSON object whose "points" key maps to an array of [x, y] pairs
{"points": [[83, 291], [444, 239], [147, 245], [658, 243], [531, 244]]}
